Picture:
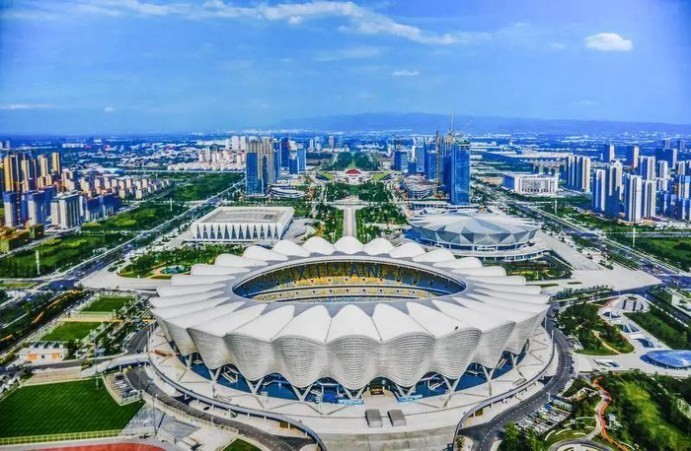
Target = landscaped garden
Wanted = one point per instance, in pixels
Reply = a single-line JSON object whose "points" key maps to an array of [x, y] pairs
{"points": [[595, 335], [151, 264], [652, 411], [673, 333]]}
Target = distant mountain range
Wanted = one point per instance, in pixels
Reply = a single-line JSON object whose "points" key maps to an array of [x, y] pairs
{"points": [[429, 122]]}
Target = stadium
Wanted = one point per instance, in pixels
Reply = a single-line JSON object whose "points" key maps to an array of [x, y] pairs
{"points": [[241, 224], [328, 322], [474, 231]]}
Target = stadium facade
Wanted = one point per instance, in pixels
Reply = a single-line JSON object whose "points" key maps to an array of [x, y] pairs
{"points": [[474, 231], [332, 320], [238, 224]]}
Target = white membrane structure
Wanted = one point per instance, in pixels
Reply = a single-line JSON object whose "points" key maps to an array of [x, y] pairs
{"points": [[243, 224], [349, 312]]}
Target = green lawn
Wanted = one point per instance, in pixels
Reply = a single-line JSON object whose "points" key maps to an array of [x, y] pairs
{"points": [[70, 331], [61, 408], [145, 217], [57, 253], [107, 304], [240, 445]]}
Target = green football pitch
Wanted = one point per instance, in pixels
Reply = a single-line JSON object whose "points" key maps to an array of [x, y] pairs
{"points": [[107, 304], [69, 331], [60, 408]]}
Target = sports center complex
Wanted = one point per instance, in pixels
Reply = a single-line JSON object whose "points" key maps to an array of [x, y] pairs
{"points": [[327, 334]]}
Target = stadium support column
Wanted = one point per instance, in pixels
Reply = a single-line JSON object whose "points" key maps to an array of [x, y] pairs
{"points": [[302, 395], [514, 363], [214, 379], [451, 385], [488, 376], [255, 386]]}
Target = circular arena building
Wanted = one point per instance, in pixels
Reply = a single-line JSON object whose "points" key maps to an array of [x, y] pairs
{"points": [[474, 231], [328, 322]]}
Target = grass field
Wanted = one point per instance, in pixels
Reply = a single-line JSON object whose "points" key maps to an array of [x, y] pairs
{"points": [[57, 253], [70, 331], [107, 304], [60, 408], [240, 445]]}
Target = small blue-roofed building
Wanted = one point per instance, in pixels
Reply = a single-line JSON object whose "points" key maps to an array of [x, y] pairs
{"points": [[678, 359]]}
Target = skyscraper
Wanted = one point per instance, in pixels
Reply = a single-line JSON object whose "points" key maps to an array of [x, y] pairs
{"points": [[632, 155], [599, 190], [459, 172], [259, 166], [12, 205], [419, 159], [667, 154], [13, 173], [284, 144], [633, 198], [578, 173], [608, 153], [400, 160], [431, 158], [302, 160], [613, 185], [648, 201], [646, 168]]}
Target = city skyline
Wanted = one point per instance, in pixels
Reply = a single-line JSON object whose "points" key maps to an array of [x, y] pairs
{"points": [[144, 66]]}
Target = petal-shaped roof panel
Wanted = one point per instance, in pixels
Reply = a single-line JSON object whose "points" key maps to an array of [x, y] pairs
{"points": [[348, 245], [378, 246], [407, 250], [290, 249], [318, 245]]}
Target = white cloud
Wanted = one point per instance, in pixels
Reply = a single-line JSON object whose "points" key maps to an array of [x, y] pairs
{"points": [[608, 42], [26, 106], [109, 109], [358, 19], [405, 73], [585, 102], [350, 53], [557, 46]]}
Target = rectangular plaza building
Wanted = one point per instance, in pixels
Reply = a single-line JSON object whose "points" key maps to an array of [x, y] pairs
{"points": [[242, 224]]}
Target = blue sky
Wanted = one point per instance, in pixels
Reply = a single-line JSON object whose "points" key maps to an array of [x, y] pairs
{"points": [[80, 66]]}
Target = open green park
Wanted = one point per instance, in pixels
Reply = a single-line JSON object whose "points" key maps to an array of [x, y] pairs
{"points": [[673, 250], [70, 331], [66, 407], [108, 304], [149, 264], [203, 186], [57, 254], [595, 335], [369, 192], [144, 217], [653, 411], [365, 161], [545, 268]]}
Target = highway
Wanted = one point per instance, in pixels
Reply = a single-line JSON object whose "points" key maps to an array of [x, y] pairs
{"points": [[483, 435]]}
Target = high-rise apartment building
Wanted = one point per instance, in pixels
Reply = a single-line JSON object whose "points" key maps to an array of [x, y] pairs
{"points": [[608, 153], [646, 168], [578, 173], [65, 211], [633, 198], [613, 184], [648, 202], [632, 155], [599, 190]]}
